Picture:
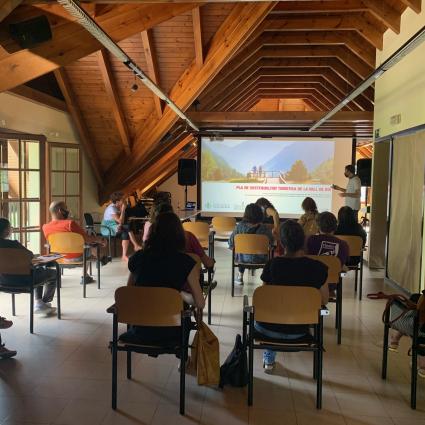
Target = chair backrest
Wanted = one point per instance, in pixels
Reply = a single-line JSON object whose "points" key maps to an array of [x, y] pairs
{"points": [[289, 305], [88, 218], [200, 229], [223, 224], [148, 306], [355, 244], [334, 266], [66, 243], [15, 261], [251, 244]]}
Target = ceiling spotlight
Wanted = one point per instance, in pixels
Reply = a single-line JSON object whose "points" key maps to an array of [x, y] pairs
{"points": [[134, 88], [194, 144]]}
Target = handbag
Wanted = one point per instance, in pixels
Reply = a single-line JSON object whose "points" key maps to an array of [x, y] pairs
{"points": [[205, 356], [234, 371]]}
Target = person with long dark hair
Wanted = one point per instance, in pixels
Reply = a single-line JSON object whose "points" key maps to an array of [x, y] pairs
{"points": [[308, 220], [164, 263], [252, 223], [270, 215], [348, 225]]}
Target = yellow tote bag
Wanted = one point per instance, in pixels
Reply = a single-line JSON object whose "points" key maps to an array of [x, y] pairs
{"points": [[206, 356]]}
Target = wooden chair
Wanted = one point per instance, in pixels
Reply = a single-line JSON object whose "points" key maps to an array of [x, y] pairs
{"points": [[17, 262], [285, 305], [149, 306], [334, 276], [250, 244], [223, 227], [355, 245], [73, 243], [201, 230], [415, 347]]}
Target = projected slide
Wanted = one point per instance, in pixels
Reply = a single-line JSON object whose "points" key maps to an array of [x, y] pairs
{"points": [[235, 173]]}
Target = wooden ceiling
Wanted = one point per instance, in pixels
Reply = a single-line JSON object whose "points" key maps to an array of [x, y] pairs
{"points": [[225, 63]]}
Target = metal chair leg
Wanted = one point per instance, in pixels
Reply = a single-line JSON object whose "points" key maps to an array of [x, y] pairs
{"points": [[250, 362], [128, 364], [58, 291], [13, 305], [356, 279], [233, 274], [114, 364], [361, 279], [339, 301], [32, 310], [209, 305]]}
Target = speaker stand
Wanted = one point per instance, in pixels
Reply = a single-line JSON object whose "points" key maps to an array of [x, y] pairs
{"points": [[185, 197]]}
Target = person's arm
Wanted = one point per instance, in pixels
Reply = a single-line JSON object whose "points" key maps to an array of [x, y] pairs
{"points": [[339, 188], [266, 274], [276, 220], [131, 281], [322, 274], [193, 280]]}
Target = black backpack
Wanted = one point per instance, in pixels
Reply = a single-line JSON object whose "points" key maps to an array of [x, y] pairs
{"points": [[234, 370]]}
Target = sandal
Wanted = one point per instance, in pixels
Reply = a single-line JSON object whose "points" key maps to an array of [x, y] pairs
{"points": [[393, 347], [421, 372]]}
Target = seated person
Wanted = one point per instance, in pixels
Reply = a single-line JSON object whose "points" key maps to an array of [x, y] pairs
{"points": [[252, 223], [348, 225], [192, 244], [114, 220], [291, 269], [325, 243], [308, 220], [163, 263], [4, 352], [61, 223], [43, 295]]}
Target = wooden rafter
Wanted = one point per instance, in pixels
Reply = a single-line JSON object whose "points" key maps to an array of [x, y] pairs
{"points": [[39, 97], [7, 6], [151, 61], [71, 41], [364, 24], [111, 90], [197, 33], [416, 5], [79, 122], [238, 26]]}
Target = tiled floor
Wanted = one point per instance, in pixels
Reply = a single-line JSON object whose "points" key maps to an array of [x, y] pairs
{"points": [[62, 373]]}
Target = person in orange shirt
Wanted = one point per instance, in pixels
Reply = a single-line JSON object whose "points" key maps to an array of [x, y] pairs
{"points": [[61, 223]]}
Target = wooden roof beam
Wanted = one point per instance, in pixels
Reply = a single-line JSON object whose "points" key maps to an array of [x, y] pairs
{"points": [[415, 5], [112, 92], [71, 41], [39, 97], [363, 23], [7, 7], [197, 34], [77, 117], [152, 66], [233, 32]]}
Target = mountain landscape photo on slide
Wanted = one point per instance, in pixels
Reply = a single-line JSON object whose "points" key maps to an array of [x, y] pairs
{"points": [[303, 162]]}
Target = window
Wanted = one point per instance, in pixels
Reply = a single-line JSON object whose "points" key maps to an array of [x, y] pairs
{"points": [[20, 189], [65, 177]]}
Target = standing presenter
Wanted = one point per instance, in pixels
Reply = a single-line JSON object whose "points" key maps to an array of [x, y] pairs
{"points": [[353, 190]]}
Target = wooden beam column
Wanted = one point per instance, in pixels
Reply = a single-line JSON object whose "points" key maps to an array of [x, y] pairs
{"points": [[197, 33]]}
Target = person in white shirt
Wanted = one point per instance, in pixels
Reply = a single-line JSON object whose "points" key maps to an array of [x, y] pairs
{"points": [[353, 190]]}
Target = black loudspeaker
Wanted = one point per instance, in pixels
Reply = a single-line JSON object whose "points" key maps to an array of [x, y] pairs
{"points": [[32, 32], [364, 171], [187, 172]]}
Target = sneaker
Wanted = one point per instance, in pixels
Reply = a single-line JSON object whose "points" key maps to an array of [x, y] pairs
{"points": [[43, 308], [211, 287], [4, 323], [5, 353], [239, 279], [88, 279], [268, 367]]}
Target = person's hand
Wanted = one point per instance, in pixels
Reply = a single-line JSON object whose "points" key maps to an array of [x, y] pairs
{"points": [[335, 187], [342, 195]]}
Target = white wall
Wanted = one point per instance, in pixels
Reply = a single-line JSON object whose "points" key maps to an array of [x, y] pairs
{"points": [[23, 115], [177, 192], [401, 90]]}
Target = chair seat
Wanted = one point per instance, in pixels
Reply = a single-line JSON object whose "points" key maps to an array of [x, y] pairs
{"points": [[305, 341], [147, 349], [250, 265]]}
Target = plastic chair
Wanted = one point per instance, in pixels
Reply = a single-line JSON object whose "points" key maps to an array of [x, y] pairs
{"points": [[285, 305], [355, 245], [415, 347], [223, 227], [250, 244], [149, 306], [17, 262], [334, 277], [73, 243], [201, 230]]}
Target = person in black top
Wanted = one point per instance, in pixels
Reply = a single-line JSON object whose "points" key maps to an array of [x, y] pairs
{"points": [[163, 263], [43, 295], [291, 269], [348, 225]]}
